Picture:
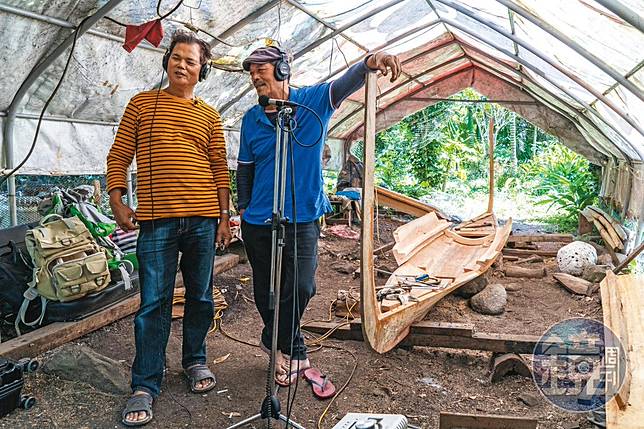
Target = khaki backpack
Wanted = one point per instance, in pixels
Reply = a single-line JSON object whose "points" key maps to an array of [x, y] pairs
{"points": [[68, 264]]}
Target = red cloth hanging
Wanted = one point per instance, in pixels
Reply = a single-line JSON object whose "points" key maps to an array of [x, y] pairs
{"points": [[151, 31]]}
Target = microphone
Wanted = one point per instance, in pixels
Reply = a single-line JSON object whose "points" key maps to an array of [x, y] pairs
{"points": [[265, 101]]}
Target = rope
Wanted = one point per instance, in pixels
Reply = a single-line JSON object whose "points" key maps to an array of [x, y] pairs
{"points": [[316, 342]]}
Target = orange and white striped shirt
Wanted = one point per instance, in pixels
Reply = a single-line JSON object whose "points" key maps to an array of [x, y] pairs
{"points": [[180, 156]]}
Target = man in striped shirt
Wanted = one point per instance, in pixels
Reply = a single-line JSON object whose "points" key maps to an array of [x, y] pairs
{"points": [[183, 193]]}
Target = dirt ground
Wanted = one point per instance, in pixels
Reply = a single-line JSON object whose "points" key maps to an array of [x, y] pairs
{"points": [[419, 383]]}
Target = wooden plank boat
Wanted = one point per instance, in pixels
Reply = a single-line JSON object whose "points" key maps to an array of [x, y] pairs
{"points": [[453, 257], [427, 247]]}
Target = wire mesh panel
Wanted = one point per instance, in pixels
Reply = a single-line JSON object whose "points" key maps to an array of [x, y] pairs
{"points": [[30, 190]]}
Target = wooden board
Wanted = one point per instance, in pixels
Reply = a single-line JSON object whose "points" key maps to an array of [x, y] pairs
{"points": [[405, 204], [474, 421], [574, 284], [534, 238], [438, 334], [623, 311], [56, 334], [619, 229], [527, 252]]}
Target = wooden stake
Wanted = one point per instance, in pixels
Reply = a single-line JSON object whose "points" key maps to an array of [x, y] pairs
{"points": [[629, 258], [533, 273], [368, 300], [490, 201]]}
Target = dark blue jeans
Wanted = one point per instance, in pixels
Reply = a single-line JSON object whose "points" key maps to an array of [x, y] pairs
{"points": [[257, 240], [157, 250]]}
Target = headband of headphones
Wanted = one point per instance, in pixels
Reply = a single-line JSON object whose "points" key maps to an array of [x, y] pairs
{"points": [[270, 54]]}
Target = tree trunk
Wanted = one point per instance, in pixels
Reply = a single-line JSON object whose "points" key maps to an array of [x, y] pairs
{"points": [[515, 161]]}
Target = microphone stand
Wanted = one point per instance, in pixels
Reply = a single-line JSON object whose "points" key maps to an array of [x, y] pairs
{"points": [[271, 408]]}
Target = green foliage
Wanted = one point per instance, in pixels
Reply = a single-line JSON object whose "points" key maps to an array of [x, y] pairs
{"points": [[562, 223], [445, 147], [563, 179]]}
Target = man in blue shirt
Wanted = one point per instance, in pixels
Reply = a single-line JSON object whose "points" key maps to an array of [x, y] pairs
{"points": [[270, 72]]}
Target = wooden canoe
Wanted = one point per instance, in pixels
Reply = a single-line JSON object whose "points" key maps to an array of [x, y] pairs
{"points": [[428, 246]]}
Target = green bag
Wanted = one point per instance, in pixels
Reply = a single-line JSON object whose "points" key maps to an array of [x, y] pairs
{"points": [[68, 264]]}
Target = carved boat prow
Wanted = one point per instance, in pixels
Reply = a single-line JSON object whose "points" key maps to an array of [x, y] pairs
{"points": [[427, 246]]}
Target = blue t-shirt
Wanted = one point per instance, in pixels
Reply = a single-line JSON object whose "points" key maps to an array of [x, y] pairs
{"points": [[257, 147]]}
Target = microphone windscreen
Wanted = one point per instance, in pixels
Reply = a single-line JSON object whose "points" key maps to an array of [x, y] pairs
{"points": [[263, 100]]}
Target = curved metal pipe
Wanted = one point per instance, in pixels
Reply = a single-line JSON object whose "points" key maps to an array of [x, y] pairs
{"points": [[623, 12], [545, 58], [22, 91], [608, 151], [66, 24], [312, 46], [637, 150], [574, 46]]}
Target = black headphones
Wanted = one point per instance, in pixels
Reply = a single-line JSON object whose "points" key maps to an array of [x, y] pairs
{"points": [[203, 72], [282, 67]]}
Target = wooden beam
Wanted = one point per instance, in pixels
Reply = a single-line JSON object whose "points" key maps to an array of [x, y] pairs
{"points": [[441, 334], [481, 421], [368, 300], [405, 204], [59, 333], [56, 334], [534, 238], [574, 284], [533, 273], [522, 252]]}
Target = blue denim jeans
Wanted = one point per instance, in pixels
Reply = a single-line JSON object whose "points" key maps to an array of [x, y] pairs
{"points": [[157, 250]]}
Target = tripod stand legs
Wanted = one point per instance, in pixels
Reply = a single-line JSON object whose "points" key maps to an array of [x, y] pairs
{"points": [[258, 416]]}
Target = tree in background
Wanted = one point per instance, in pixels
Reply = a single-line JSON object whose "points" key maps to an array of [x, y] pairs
{"points": [[445, 147]]}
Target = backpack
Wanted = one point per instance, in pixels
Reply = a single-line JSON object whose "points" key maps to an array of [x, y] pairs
{"points": [[15, 274], [68, 264]]}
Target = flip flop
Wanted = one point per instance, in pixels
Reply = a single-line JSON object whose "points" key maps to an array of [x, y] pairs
{"points": [[137, 403], [294, 372], [199, 372], [322, 387]]}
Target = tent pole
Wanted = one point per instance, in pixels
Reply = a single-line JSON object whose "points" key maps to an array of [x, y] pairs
{"points": [[540, 73], [544, 57], [623, 12], [597, 62], [130, 194], [35, 73]]}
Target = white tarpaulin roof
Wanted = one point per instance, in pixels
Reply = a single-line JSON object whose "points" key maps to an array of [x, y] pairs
{"points": [[575, 67]]}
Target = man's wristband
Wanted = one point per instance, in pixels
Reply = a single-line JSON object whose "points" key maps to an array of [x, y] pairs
{"points": [[224, 212]]}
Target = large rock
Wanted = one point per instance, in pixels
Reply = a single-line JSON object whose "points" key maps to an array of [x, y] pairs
{"points": [[596, 273], [80, 363], [574, 257], [472, 287], [490, 300]]}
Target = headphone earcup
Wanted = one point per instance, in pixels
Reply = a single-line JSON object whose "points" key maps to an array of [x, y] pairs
{"points": [[282, 70], [166, 59], [204, 71]]}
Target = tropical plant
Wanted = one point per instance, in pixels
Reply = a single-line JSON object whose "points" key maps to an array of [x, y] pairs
{"points": [[563, 179]]}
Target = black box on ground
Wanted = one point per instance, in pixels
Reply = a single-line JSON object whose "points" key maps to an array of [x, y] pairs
{"points": [[11, 382]]}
